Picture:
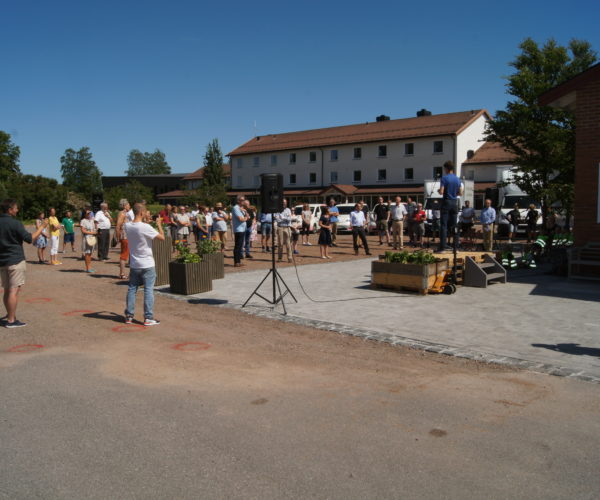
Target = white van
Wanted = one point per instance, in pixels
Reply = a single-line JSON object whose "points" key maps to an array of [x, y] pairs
{"points": [[316, 209]]}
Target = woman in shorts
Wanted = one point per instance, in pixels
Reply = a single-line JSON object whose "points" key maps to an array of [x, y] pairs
{"points": [[42, 242], [88, 229], [220, 225]]}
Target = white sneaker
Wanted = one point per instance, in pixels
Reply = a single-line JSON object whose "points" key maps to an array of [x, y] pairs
{"points": [[151, 322]]}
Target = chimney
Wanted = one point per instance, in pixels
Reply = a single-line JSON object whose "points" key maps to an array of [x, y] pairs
{"points": [[382, 118], [424, 112]]}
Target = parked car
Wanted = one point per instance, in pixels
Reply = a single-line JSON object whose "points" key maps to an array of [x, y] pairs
{"points": [[316, 209]]}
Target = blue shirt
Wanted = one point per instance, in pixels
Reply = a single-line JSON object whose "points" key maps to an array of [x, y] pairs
{"points": [[266, 219], [488, 215], [451, 185], [333, 214], [238, 225]]}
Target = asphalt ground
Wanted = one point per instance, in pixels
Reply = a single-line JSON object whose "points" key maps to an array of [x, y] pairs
{"points": [[216, 403]]}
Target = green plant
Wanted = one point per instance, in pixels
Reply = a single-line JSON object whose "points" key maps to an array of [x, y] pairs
{"points": [[184, 253], [207, 246], [405, 257]]}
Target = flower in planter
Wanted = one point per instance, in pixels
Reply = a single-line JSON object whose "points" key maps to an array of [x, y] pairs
{"points": [[208, 246], [405, 257], [184, 253]]}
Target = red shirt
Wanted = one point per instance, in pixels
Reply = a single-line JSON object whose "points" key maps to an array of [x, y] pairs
{"points": [[420, 216], [164, 215]]}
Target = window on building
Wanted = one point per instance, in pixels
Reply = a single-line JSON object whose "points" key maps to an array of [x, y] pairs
{"points": [[312, 178], [357, 153], [292, 158], [334, 155], [438, 146], [409, 174], [257, 180], [382, 175], [333, 177], [382, 151], [312, 156], [292, 178], [273, 160], [256, 161], [239, 163], [357, 176], [409, 148], [437, 172], [240, 181]]}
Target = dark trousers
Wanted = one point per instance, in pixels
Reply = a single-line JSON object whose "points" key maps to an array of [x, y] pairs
{"points": [[448, 214], [103, 243], [359, 232], [247, 236], [238, 246]]}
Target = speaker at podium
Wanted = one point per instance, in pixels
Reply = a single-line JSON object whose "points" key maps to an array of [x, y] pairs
{"points": [[271, 193]]}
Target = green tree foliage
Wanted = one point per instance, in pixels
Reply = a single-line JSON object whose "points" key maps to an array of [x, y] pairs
{"points": [[80, 173], [147, 163], [213, 173], [35, 193], [9, 163], [133, 191], [542, 138]]}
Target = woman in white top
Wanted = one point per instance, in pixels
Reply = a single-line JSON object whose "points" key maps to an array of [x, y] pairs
{"points": [[88, 228]]}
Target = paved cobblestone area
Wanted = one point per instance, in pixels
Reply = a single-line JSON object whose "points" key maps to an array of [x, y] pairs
{"points": [[537, 322]]}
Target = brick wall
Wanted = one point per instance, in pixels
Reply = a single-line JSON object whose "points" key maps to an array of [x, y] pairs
{"points": [[587, 159]]}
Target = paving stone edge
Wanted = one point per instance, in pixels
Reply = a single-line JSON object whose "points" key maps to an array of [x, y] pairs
{"points": [[375, 335]]}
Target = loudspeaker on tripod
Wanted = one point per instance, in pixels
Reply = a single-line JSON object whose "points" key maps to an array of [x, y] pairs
{"points": [[271, 193]]}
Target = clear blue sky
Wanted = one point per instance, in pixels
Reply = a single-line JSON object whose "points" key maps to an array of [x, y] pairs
{"points": [[118, 75]]}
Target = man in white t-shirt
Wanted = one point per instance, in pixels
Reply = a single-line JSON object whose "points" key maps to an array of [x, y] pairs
{"points": [[103, 223], [141, 263]]}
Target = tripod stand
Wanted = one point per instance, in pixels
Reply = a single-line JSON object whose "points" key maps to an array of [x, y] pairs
{"points": [[278, 283]]}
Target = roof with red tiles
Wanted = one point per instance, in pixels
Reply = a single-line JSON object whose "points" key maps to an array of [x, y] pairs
{"points": [[405, 128], [490, 152], [199, 174]]}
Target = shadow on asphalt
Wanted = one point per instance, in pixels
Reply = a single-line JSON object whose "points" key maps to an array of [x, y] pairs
{"points": [[575, 349], [211, 302], [106, 315]]}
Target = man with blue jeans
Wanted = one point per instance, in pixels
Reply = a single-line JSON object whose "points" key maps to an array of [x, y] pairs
{"points": [[450, 189], [141, 263], [239, 216], [334, 213]]}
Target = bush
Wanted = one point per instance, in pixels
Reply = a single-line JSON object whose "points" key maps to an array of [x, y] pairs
{"points": [[405, 257]]}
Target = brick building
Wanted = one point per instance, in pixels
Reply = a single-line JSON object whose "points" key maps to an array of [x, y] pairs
{"points": [[581, 94]]}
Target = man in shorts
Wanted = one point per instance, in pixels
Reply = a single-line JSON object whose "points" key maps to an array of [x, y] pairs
{"points": [[12, 258], [69, 226], [382, 217]]}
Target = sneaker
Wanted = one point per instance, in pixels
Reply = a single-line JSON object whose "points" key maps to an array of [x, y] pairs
{"points": [[128, 320], [309, 244], [15, 324], [90, 271], [249, 256], [151, 322], [296, 252]]}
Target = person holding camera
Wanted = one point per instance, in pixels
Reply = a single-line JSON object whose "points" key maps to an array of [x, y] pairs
{"points": [[142, 270]]}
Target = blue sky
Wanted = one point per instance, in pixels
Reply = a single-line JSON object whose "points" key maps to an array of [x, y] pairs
{"points": [[118, 75]]}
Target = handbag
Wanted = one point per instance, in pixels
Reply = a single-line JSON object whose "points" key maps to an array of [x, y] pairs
{"points": [[90, 240], [113, 242]]}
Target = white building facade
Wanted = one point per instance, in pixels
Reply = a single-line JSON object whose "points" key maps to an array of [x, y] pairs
{"points": [[384, 157]]}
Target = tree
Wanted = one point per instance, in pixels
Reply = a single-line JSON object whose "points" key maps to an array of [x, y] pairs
{"points": [[147, 163], [9, 159], [36, 193], [213, 173], [214, 187], [541, 138], [134, 191], [80, 173]]}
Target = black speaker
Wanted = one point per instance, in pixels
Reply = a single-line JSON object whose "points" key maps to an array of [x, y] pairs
{"points": [[271, 193]]}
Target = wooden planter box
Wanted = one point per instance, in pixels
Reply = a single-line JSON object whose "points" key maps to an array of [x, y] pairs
{"points": [[188, 279], [417, 277], [216, 263], [162, 251]]}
